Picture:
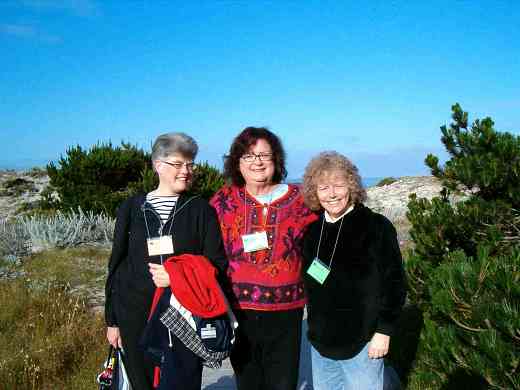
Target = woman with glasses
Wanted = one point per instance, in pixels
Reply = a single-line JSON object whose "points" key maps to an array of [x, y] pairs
{"points": [[263, 221], [150, 228], [354, 280]]}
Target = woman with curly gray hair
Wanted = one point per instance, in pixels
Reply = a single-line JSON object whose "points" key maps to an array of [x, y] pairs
{"points": [[353, 277]]}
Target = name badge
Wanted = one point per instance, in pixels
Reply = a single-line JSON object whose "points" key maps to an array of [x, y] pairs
{"points": [[208, 332], [160, 245], [255, 242], [318, 270]]}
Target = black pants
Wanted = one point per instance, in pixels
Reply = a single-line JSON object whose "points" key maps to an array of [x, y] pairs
{"points": [[138, 367], [181, 370], [266, 354]]}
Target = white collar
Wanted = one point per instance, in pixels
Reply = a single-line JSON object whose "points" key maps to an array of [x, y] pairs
{"points": [[331, 219]]}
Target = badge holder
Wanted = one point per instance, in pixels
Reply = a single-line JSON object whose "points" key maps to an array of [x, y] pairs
{"points": [[318, 270], [160, 245], [255, 242]]}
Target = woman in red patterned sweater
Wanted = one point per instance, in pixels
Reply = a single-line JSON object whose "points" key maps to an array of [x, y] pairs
{"points": [[262, 223]]}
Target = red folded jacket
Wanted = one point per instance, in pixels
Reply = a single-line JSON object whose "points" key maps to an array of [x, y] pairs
{"points": [[193, 282]]}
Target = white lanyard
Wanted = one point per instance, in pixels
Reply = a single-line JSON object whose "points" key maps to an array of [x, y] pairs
{"points": [[335, 244], [161, 245]]}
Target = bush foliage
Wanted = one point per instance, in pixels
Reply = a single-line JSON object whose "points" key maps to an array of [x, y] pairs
{"points": [[206, 180], [386, 181], [100, 178], [464, 272], [96, 179]]}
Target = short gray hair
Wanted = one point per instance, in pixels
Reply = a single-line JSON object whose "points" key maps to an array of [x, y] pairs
{"points": [[170, 143]]}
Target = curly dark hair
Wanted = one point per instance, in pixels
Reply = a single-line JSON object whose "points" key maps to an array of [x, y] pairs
{"points": [[240, 146]]}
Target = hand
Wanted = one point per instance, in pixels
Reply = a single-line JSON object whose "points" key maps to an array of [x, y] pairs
{"points": [[378, 346], [159, 275], [114, 337]]}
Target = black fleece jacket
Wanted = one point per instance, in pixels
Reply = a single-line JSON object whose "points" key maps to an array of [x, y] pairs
{"points": [[365, 290], [194, 228]]}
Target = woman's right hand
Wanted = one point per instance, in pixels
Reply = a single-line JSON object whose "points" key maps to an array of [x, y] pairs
{"points": [[114, 337]]}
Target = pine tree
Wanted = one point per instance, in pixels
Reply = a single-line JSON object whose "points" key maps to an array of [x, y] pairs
{"points": [[465, 269]]}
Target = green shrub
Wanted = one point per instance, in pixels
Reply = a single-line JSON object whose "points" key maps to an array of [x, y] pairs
{"points": [[386, 181], [99, 179], [206, 180], [473, 320], [96, 179], [147, 182], [464, 269]]}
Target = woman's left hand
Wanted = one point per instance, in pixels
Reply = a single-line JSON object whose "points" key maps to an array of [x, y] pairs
{"points": [[159, 275], [378, 346]]}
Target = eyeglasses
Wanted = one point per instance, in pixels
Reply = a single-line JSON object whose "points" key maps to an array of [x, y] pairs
{"points": [[251, 157], [178, 165]]}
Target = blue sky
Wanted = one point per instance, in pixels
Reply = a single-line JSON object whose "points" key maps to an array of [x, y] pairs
{"points": [[372, 80]]}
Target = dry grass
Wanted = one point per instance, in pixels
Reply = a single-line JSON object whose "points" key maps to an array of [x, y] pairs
{"points": [[81, 266], [50, 337]]}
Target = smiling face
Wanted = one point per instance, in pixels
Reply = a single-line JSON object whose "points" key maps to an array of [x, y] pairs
{"points": [[175, 174], [333, 193], [257, 171]]}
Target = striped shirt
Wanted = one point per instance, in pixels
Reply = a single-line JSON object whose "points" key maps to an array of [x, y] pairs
{"points": [[163, 205]]}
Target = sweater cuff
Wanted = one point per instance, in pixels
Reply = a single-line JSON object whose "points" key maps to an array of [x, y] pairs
{"points": [[110, 319], [386, 328], [111, 324]]}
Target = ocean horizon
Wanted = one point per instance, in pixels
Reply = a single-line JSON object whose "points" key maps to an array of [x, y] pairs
{"points": [[367, 181]]}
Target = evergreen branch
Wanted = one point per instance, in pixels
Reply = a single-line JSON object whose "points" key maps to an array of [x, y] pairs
{"points": [[460, 324], [462, 305], [481, 276]]}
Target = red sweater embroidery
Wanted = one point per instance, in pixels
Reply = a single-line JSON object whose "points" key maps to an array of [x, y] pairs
{"points": [[267, 279]]}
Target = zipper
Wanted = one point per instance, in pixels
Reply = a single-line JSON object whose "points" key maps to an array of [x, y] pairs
{"points": [[161, 225], [172, 215]]}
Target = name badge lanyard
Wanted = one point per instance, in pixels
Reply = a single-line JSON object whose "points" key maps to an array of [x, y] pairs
{"points": [[255, 241], [319, 270], [170, 344], [169, 230]]}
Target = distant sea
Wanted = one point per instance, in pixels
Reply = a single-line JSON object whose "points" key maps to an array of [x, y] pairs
{"points": [[367, 181], [371, 181]]}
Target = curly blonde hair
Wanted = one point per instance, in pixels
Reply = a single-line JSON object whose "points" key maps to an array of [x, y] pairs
{"points": [[326, 163]]}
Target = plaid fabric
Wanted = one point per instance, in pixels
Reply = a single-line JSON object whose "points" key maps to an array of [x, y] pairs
{"points": [[178, 325]]}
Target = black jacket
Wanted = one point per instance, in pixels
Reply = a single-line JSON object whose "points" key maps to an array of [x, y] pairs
{"points": [[195, 229], [365, 290]]}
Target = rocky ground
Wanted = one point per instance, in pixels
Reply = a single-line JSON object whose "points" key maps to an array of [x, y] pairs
{"points": [[20, 190], [392, 199]]}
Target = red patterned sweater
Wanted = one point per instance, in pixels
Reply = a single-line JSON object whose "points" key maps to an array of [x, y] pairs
{"points": [[267, 279]]}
